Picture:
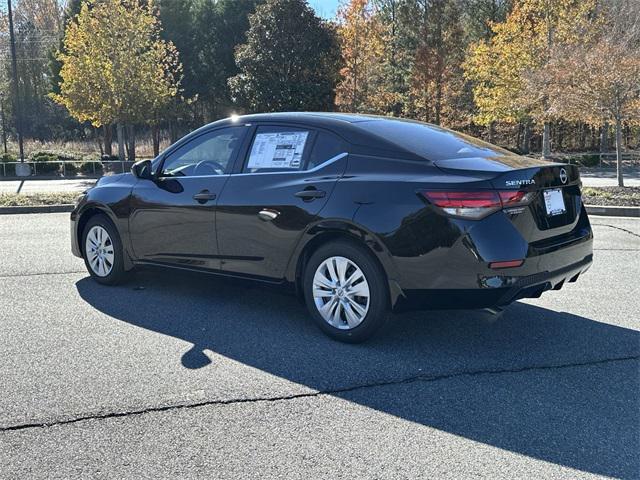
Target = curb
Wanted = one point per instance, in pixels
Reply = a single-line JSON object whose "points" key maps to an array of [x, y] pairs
{"points": [[610, 211], [36, 209]]}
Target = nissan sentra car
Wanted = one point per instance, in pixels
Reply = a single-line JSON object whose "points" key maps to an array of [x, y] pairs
{"points": [[361, 215]]}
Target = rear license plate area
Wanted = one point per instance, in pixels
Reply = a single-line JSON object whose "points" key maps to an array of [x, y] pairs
{"points": [[554, 202]]}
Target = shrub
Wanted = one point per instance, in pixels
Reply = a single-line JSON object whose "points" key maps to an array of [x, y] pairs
{"points": [[7, 170], [69, 169], [592, 160], [87, 168], [59, 154], [46, 163]]}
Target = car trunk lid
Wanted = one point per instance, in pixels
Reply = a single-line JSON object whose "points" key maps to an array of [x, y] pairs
{"points": [[556, 205]]}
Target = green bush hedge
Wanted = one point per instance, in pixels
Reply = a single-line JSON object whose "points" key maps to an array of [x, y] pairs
{"points": [[59, 154], [70, 169], [8, 170], [592, 160], [89, 168], [46, 163]]}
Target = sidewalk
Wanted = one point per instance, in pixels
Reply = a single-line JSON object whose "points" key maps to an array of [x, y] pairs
{"points": [[606, 177], [42, 186]]}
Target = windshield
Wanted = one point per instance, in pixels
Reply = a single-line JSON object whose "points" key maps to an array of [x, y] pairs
{"points": [[431, 142]]}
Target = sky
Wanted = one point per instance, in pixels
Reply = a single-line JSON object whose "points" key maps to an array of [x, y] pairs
{"points": [[325, 8]]}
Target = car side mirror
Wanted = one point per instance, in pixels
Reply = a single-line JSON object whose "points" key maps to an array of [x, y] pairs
{"points": [[142, 170]]}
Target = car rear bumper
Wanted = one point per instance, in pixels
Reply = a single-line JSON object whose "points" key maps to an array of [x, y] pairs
{"points": [[528, 286], [461, 277]]}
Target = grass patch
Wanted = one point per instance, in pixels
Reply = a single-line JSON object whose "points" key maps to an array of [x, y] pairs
{"points": [[37, 199]]}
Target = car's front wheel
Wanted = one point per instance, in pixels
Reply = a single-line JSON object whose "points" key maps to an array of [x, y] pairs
{"points": [[346, 291], [102, 249]]}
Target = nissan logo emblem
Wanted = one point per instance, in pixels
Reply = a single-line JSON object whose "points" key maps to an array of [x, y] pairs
{"points": [[563, 175]]}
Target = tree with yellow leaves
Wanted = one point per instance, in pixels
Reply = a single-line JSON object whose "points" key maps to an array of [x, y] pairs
{"points": [[115, 67], [508, 71], [362, 42]]}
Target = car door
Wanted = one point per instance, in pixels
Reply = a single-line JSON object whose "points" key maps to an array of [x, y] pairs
{"points": [[286, 178], [172, 218]]}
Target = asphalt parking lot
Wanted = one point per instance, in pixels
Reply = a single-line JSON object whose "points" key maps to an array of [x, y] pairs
{"points": [[183, 376]]}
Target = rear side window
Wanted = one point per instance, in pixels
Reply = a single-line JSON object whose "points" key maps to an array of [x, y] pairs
{"points": [[325, 147], [431, 142], [278, 149]]}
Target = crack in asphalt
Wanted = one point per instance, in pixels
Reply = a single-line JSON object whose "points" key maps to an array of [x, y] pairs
{"points": [[617, 228], [37, 274], [616, 249], [401, 381]]}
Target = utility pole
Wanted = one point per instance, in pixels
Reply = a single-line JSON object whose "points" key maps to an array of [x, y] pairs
{"points": [[14, 65], [4, 124]]}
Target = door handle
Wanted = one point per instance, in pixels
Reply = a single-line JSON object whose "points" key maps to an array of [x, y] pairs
{"points": [[309, 194], [204, 196], [268, 215]]}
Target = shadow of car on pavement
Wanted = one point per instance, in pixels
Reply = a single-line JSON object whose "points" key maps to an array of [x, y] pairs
{"points": [[518, 383]]}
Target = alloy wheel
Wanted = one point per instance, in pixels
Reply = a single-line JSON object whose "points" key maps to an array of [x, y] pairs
{"points": [[99, 251], [341, 293]]}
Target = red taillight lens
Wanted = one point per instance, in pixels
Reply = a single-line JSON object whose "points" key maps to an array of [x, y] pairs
{"points": [[476, 204], [485, 199]]}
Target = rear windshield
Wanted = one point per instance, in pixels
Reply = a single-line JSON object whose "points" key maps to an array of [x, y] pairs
{"points": [[431, 142]]}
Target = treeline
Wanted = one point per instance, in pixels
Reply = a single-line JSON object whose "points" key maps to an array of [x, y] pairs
{"points": [[533, 75]]}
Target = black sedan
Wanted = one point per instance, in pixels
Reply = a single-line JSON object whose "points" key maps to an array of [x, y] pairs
{"points": [[361, 215]]}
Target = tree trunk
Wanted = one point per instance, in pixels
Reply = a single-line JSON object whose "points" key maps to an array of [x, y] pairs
{"points": [[131, 137], [155, 134], [627, 136], [582, 143], [126, 141], [492, 131], [173, 132], [559, 137], [546, 140], [100, 142], [604, 138], [108, 138], [526, 138], [619, 151], [120, 135]]}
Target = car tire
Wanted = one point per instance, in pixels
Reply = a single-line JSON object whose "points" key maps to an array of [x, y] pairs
{"points": [[102, 251], [355, 309]]}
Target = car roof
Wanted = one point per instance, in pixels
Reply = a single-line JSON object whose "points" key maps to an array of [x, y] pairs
{"points": [[328, 118], [350, 126]]}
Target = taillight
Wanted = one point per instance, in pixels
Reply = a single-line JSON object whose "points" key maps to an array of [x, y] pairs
{"points": [[477, 204]]}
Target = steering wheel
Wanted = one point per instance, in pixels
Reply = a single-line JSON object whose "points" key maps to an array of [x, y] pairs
{"points": [[208, 167]]}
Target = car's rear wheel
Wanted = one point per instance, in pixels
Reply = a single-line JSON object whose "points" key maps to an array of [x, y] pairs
{"points": [[346, 291], [102, 251]]}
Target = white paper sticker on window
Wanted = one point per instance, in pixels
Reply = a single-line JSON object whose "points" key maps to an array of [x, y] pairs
{"points": [[277, 150]]}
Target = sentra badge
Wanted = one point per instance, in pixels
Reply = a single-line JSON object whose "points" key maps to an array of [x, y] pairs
{"points": [[517, 183]]}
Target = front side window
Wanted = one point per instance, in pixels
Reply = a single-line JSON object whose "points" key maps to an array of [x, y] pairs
{"points": [[208, 154], [278, 149]]}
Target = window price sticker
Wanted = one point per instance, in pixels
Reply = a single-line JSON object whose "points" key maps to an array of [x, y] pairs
{"points": [[277, 150]]}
